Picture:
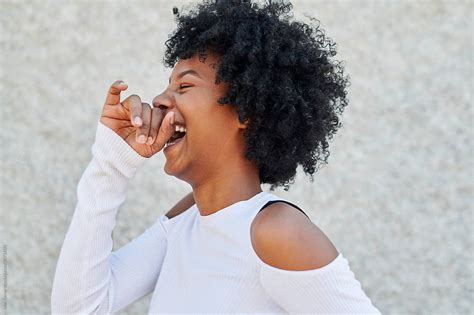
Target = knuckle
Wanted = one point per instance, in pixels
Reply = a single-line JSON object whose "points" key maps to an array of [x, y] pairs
{"points": [[162, 129]]}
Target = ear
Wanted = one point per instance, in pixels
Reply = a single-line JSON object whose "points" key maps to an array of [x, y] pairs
{"points": [[244, 124], [240, 125]]}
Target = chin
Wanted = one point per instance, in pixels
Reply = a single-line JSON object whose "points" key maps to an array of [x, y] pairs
{"points": [[168, 171]]}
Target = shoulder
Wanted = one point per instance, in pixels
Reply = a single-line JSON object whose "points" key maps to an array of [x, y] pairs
{"points": [[283, 237]]}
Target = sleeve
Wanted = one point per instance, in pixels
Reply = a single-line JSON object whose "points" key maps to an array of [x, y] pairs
{"points": [[89, 277], [332, 289]]}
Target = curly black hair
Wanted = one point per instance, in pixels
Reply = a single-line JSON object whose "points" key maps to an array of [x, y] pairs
{"points": [[281, 80]]}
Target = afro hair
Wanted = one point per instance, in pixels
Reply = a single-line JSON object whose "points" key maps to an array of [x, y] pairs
{"points": [[281, 78]]}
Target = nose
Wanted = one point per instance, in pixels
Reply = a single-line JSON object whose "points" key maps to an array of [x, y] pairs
{"points": [[162, 101]]}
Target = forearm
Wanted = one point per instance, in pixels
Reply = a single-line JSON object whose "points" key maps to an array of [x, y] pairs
{"points": [[83, 273]]}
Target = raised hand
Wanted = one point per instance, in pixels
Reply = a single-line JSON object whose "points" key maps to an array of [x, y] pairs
{"points": [[144, 128]]}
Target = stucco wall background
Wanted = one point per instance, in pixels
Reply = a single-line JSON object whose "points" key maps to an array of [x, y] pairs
{"points": [[395, 198]]}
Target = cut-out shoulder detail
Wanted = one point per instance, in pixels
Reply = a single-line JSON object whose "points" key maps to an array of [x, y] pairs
{"points": [[284, 239], [287, 202]]}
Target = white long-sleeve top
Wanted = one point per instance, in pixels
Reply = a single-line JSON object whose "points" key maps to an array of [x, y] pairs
{"points": [[192, 263]]}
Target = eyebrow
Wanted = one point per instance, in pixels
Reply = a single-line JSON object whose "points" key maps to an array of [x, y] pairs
{"points": [[182, 74]]}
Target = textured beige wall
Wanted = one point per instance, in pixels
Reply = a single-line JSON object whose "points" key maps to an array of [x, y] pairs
{"points": [[396, 198]]}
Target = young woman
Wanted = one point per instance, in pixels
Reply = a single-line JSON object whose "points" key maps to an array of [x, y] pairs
{"points": [[251, 96]]}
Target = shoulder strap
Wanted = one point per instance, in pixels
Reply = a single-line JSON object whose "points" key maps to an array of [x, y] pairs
{"points": [[273, 201]]}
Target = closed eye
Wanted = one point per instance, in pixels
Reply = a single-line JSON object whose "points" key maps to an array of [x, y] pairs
{"points": [[184, 86]]}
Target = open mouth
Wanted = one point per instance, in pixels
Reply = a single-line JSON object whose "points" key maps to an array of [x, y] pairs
{"points": [[178, 136]]}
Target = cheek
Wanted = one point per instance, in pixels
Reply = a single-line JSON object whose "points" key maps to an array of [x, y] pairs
{"points": [[209, 121], [212, 130]]}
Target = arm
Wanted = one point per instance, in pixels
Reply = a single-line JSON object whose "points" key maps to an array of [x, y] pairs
{"points": [[300, 269], [90, 277]]}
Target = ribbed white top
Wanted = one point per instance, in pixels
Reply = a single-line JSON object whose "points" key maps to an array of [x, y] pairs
{"points": [[192, 263]]}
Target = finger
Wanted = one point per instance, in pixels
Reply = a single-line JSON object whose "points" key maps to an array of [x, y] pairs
{"points": [[166, 129], [144, 129], [134, 104], [156, 119], [113, 97]]}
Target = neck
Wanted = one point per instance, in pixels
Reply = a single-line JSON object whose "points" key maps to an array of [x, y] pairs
{"points": [[226, 187]]}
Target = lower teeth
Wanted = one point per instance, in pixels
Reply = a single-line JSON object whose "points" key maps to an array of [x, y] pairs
{"points": [[170, 143]]}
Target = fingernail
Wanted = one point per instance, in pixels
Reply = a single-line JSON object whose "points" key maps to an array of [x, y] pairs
{"points": [[150, 140], [141, 139], [137, 120]]}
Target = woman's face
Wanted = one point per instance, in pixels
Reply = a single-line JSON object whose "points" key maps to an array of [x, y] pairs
{"points": [[214, 137]]}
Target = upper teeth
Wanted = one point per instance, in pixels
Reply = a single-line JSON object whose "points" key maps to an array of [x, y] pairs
{"points": [[179, 128]]}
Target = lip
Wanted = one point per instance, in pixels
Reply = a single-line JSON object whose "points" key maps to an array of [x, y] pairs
{"points": [[172, 147]]}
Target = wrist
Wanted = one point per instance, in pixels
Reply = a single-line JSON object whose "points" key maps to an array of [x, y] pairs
{"points": [[111, 147]]}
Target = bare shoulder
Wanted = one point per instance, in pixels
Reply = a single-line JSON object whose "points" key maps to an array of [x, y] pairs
{"points": [[283, 237]]}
